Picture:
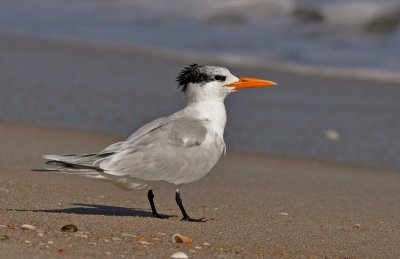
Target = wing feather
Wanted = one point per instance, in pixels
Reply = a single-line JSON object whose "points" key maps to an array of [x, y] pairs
{"points": [[173, 152]]}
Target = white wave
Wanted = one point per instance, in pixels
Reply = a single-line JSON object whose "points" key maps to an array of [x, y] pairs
{"points": [[354, 73], [355, 15]]}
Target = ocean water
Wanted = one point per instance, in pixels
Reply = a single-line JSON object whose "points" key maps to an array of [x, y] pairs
{"points": [[343, 37]]}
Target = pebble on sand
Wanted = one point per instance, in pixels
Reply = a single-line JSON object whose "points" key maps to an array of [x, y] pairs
{"points": [[27, 227], [178, 238], [284, 213], [178, 255], [69, 228], [357, 226]]}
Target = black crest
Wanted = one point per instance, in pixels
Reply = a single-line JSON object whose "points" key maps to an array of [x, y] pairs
{"points": [[193, 73]]}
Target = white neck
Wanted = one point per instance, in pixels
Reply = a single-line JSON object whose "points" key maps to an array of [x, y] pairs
{"points": [[210, 110]]}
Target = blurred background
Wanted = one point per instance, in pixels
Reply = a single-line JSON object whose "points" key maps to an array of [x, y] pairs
{"points": [[109, 66]]}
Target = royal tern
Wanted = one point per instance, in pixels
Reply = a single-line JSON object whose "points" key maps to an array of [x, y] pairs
{"points": [[177, 149]]}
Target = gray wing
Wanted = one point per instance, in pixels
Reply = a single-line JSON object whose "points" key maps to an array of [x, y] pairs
{"points": [[89, 161], [174, 152], [142, 131]]}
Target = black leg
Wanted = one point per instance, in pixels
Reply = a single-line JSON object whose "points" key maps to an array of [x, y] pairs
{"points": [[150, 195], [185, 215]]}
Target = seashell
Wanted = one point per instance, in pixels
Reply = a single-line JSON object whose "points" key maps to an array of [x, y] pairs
{"points": [[128, 235], [143, 242], [27, 227], [81, 235], [179, 255], [69, 228], [178, 238]]}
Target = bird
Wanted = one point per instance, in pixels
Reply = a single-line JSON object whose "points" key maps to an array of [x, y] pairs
{"points": [[177, 149]]}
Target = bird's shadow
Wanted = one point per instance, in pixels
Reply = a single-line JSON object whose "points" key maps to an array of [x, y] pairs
{"points": [[98, 209]]}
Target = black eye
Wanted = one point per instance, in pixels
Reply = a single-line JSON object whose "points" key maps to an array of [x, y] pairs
{"points": [[220, 78]]}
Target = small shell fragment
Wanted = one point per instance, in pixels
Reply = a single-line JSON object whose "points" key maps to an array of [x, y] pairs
{"points": [[206, 244], [128, 235], [27, 227], [178, 238], [69, 228], [143, 242], [80, 235], [284, 213], [197, 247], [179, 255]]}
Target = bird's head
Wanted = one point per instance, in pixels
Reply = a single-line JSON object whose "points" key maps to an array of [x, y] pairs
{"points": [[208, 82]]}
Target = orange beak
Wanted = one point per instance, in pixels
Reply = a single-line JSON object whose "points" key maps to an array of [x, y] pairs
{"points": [[245, 82]]}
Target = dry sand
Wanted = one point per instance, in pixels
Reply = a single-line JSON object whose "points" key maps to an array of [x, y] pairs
{"points": [[257, 206]]}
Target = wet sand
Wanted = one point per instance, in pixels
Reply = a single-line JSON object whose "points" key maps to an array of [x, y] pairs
{"points": [[257, 206]]}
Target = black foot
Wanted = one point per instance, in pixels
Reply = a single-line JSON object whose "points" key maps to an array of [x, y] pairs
{"points": [[150, 195], [185, 215], [156, 215], [189, 219]]}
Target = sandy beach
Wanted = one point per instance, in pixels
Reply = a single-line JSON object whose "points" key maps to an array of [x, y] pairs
{"points": [[256, 206]]}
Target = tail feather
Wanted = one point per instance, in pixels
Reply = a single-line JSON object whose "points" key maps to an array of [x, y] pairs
{"points": [[83, 165], [84, 159], [86, 165]]}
